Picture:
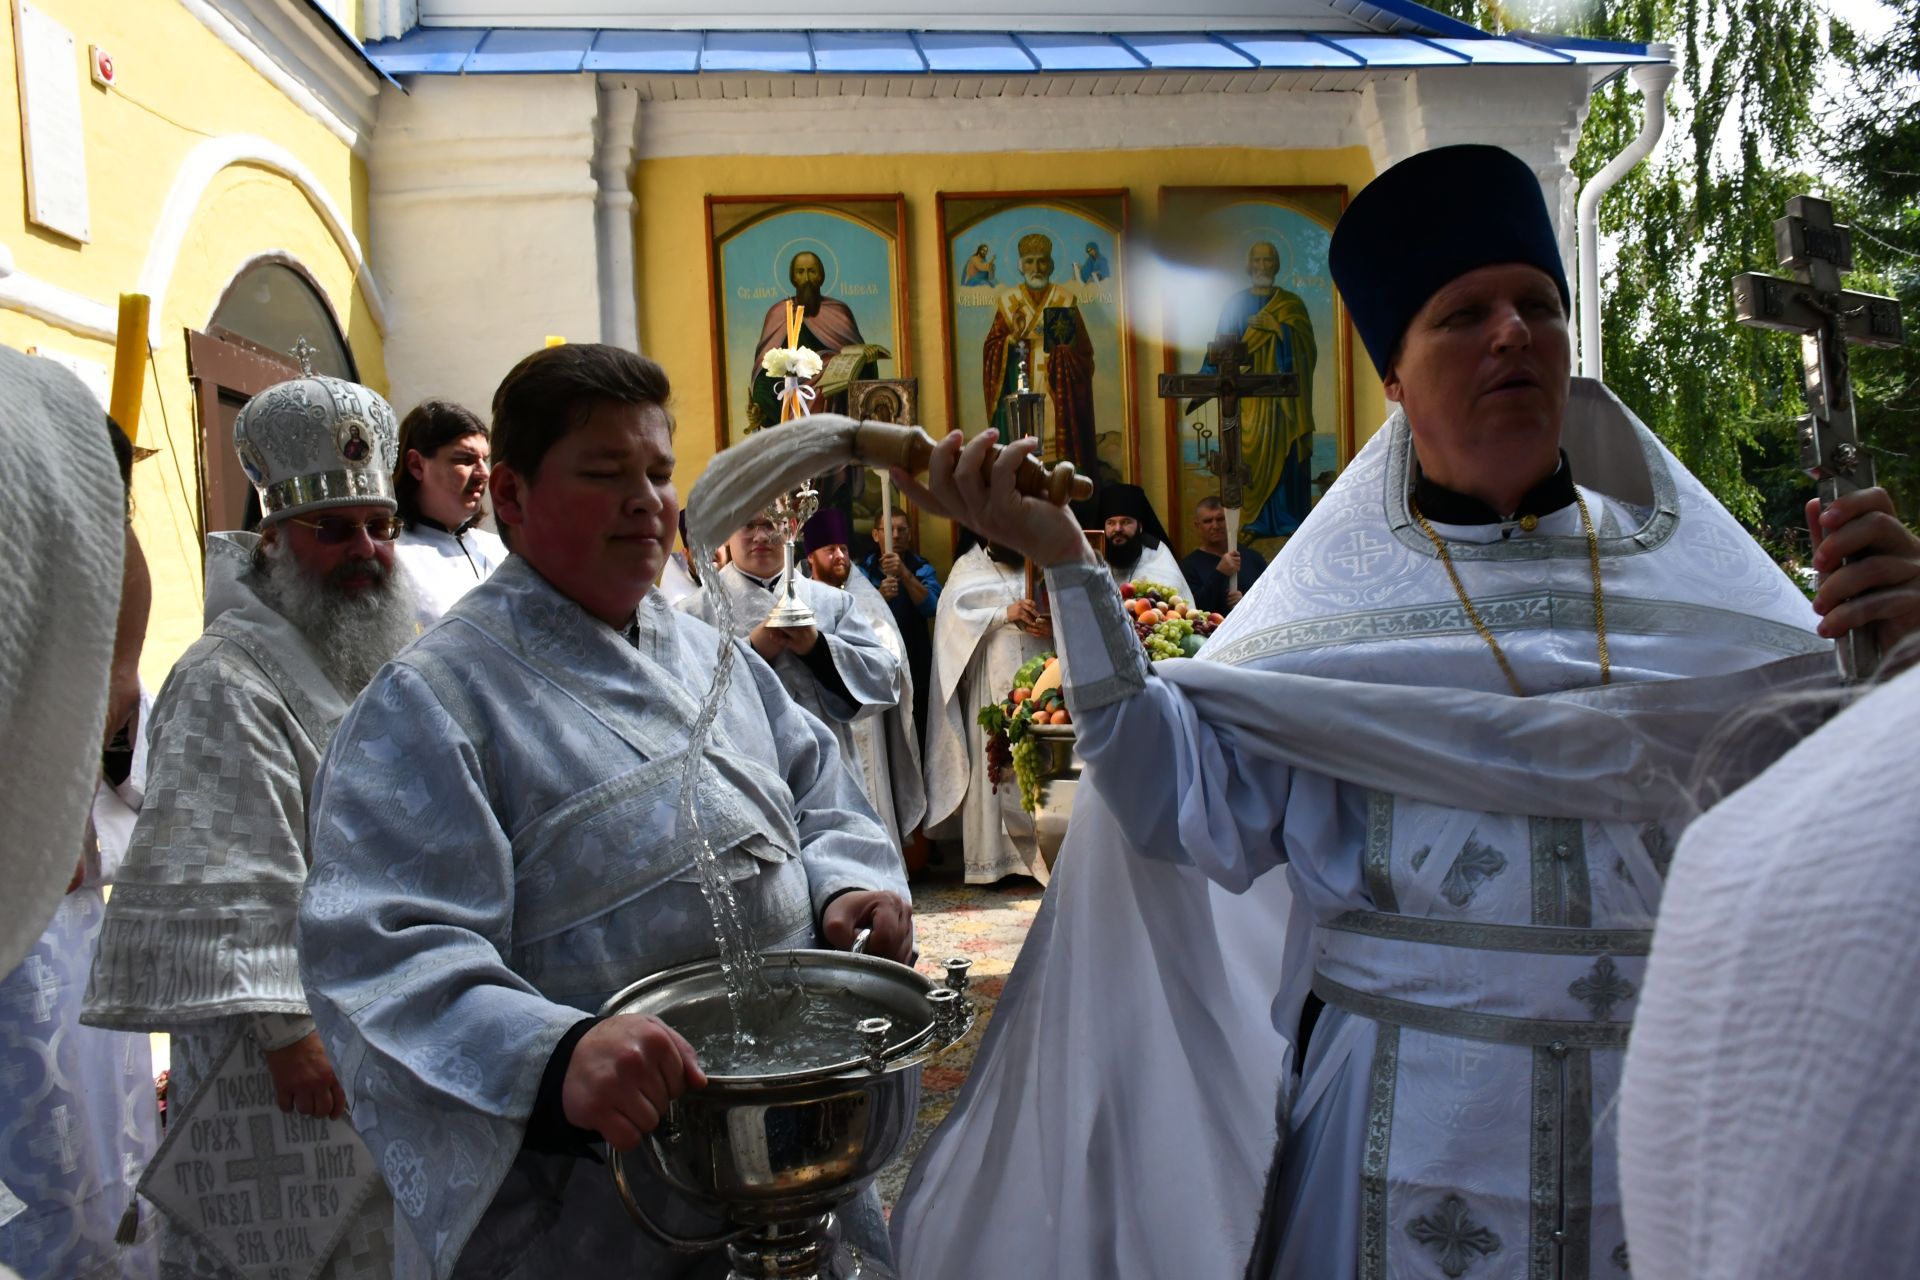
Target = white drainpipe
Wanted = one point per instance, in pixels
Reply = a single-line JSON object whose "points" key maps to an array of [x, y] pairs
{"points": [[1652, 80]]}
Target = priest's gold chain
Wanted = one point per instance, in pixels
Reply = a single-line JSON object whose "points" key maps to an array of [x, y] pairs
{"points": [[1479, 623]]}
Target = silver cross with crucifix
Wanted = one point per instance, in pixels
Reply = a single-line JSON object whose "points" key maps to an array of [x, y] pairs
{"points": [[1827, 317], [1231, 382]]}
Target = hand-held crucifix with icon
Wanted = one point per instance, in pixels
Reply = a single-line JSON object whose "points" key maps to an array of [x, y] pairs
{"points": [[1814, 305]]}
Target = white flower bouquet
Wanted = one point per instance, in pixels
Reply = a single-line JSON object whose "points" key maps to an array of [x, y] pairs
{"points": [[792, 362]]}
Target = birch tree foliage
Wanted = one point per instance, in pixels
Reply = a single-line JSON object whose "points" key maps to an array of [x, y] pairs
{"points": [[1743, 135]]}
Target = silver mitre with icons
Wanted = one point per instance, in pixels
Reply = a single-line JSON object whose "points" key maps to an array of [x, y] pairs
{"points": [[317, 442]]}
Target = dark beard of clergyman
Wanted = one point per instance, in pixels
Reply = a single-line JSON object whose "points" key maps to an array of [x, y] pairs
{"points": [[353, 634], [1124, 553], [1004, 555], [808, 297]]}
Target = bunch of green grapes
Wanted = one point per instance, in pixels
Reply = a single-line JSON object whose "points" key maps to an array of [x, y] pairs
{"points": [[1167, 639], [1028, 755]]}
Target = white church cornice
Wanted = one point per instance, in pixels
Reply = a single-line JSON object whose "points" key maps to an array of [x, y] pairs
{"points": [[979, 117], [299, 53]]}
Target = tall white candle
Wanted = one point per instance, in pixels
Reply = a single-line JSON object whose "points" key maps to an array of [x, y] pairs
{"points": [[886, 511]]}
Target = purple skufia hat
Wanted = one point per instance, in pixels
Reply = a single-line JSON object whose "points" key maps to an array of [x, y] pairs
{"points": [[1429, 220], [830, 528]]}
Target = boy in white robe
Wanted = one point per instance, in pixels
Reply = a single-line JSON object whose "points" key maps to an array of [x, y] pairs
{"points": [[498, 850], [441, 486]]}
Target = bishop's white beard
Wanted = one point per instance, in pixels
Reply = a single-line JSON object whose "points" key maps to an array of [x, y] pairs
{"points": [[353, 635]]}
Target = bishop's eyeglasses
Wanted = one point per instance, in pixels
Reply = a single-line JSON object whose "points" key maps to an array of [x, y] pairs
{"points": [[331, 531]]}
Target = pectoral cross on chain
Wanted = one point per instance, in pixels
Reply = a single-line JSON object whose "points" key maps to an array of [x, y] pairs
{"points": [[1230, 382], [1827, 317]]}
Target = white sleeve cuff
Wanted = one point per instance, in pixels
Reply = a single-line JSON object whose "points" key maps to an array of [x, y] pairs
{"points": [[272, 1031]]}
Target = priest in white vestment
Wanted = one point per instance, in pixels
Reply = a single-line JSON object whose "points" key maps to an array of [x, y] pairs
{"points": [[984, 630], [887, 746], [1137, 549], [1462, 710], [471, 908], [199, 935], [440, 485], [837, 668]]}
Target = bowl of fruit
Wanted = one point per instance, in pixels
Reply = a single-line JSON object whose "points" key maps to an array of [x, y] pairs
{"points": [[1168, 627], [1022, 727]]}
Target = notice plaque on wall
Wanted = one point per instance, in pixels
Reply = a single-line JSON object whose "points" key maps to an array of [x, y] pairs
{"points": [[52, 134], [270, 1192]]}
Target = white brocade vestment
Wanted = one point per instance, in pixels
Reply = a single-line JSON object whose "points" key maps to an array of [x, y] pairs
{"points": [[445, 565], [199, 934], [1473, 880], [497, 850], [976, 652]]}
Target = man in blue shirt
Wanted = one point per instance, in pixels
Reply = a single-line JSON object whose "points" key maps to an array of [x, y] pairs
{"points": [[912, 591], [1209, 567]]}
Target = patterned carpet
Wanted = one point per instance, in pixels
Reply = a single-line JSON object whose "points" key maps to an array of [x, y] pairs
{"points": [[987, 923]]}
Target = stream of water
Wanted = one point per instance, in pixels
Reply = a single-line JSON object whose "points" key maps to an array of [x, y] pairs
{"points": [[740, 960]]}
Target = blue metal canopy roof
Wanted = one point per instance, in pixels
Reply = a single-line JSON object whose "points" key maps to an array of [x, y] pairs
{"points": [[471, 51]]}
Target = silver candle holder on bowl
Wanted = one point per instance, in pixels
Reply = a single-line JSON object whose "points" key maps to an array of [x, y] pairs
{"points": [[790, 513]]}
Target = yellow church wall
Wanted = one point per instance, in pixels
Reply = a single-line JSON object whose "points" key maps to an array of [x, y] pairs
{"points": [[675, 311], [179, 87]]}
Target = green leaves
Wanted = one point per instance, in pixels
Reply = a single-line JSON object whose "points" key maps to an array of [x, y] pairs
{"points": [[1747, 130]]}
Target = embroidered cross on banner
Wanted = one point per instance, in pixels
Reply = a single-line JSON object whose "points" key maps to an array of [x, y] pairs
{"points": [[266, 1169]]}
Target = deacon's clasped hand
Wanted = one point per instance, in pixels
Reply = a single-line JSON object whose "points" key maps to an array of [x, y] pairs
{"points": [[988, 502], [1881, 587], [887, 914], [771, 642], [623, 1074]]}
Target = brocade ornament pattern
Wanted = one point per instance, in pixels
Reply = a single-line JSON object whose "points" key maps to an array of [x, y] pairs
{"points": [[1457, 1241], [1602, 990]]}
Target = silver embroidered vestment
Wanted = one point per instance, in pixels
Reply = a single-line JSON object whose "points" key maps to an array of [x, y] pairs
{"points": [[498, 849], [199, 934], [1479, 872]]}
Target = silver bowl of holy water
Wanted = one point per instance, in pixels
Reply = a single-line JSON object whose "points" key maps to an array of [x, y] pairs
{"points": [[800, 1119]]}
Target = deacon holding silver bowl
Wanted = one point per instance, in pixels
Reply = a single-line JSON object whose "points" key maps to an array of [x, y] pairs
{"points": [[497, 849]]}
